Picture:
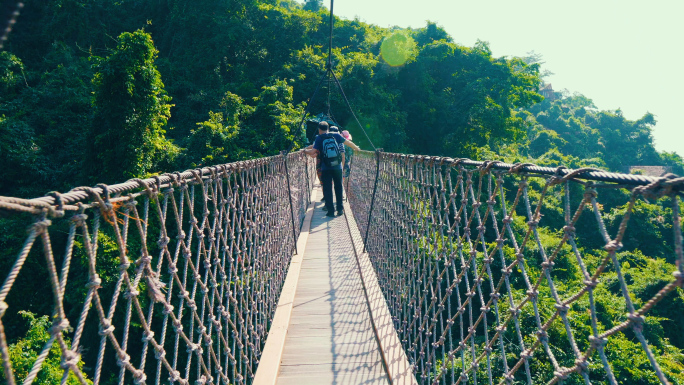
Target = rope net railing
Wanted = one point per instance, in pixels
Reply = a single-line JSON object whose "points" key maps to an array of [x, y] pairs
{"points": [[498, 273], [173, 279]]}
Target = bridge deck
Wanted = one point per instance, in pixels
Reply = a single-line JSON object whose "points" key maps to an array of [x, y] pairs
{"points": [[330, 337]]}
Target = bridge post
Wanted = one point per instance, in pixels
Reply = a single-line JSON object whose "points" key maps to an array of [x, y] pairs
{"points": [[289, 194], [375, 188]]}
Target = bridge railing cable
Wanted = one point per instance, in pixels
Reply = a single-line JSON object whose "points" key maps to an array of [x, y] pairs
{"points": [[478, 293], [172, 279]]}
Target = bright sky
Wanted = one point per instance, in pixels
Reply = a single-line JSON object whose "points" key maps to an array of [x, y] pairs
{"points": [[625, 54]]}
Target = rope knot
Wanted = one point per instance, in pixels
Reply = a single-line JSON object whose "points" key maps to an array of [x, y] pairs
{"points": [[679, 280], [636, 318], [598, 342], [163, 241], [124, 266], [518, 167], [59, 210], [175, 376], [542, 335], [562, 308], [59, 326], [168, 309], [177, 325], [613, 246], [69, 360], [590, 193], [569, 229], [132, 293], [79, 218], [123, 359], [40, 226], [106, 328], [147, 336], [139, 377], [582, 364], [562, 374]]}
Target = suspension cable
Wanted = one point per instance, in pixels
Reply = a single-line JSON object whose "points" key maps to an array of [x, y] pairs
{"points": [[344, 96], [332, 21], [331, 76], [328, 65], [306, 110]]}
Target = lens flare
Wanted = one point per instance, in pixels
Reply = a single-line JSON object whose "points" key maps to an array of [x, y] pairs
{"points": [[397, 48]]}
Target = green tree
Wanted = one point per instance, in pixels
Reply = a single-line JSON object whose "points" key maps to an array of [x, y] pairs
{"points": [[131, 109], [673, 160], [215, 140], [431, 33], [313, 5], [465, 97], [24, 353], [273, 121], [40, 111]]}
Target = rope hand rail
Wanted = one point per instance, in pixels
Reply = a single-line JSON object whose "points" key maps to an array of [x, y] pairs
{"points": [[199, 259], [470, 282]]}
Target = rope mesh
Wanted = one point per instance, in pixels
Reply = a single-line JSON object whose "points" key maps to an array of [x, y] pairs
{"points": [[180, 275], [452, 245], [176, 278]]}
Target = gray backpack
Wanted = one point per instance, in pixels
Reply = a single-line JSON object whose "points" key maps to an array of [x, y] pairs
{"points": [[330, 155]]}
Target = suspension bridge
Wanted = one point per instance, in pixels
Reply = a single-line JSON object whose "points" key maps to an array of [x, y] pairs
{"points": [[232, 275]]}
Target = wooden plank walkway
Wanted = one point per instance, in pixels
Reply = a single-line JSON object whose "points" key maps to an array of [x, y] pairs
{"points": [[330, 339]]}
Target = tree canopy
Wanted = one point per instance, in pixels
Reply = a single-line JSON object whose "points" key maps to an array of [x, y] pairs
{"points": [[104, 91]]}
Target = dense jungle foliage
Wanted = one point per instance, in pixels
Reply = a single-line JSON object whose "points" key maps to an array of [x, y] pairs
{"points": [[103, 91]]}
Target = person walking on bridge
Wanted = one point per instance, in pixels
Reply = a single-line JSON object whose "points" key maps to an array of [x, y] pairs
{"points": [[329, 149], [322, 129]]}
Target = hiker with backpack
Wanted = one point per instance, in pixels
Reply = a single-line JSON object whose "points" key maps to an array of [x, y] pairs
{"points": [[322, 129], [328, 147]]}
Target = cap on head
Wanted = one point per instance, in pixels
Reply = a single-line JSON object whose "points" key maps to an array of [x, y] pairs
{"points": [[334, 129], [346, 135], [323, 126]]}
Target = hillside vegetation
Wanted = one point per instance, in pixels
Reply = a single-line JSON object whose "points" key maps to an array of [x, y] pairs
{"points": [[103, 91]]}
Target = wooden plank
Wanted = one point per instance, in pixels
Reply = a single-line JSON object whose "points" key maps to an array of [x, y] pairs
{"points": [[269, 362], [330, 337], [396, 362]]}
